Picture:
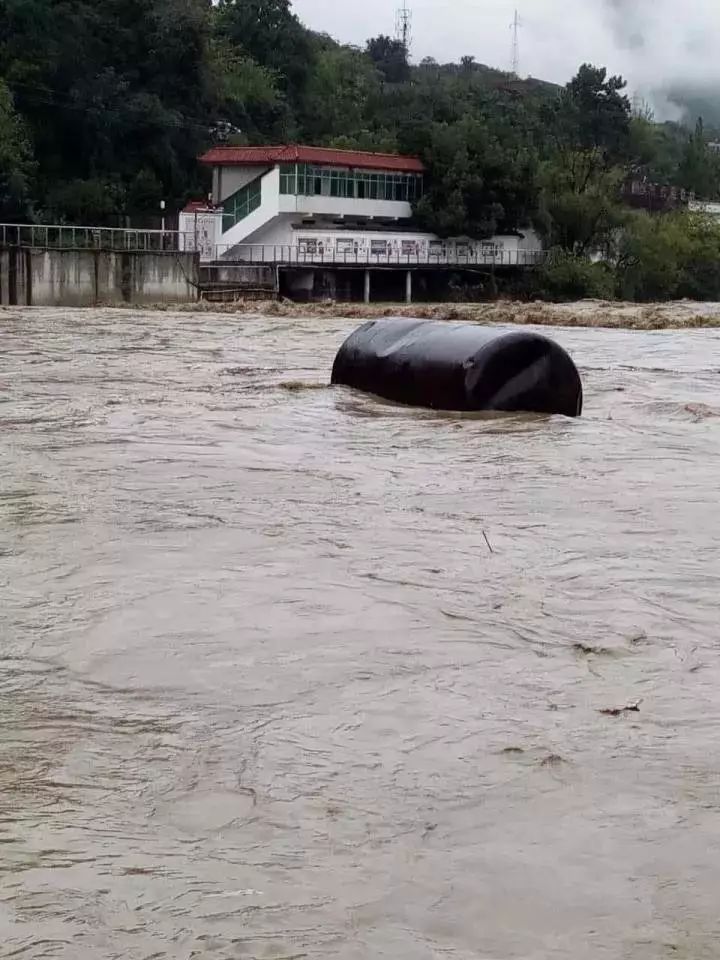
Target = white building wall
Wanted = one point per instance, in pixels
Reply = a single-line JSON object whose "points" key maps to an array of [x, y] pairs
{"points": [[228, 180], [704, 206], [277, 232], [279, 239], [266, 212], [530, 240], [344, 207]]}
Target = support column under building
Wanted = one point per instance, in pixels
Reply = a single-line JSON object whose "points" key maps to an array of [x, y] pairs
{"points": [[408, 287], [366, 290]]}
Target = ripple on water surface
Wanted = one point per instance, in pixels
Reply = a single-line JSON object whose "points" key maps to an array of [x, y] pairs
{"points": [[288, 671]]}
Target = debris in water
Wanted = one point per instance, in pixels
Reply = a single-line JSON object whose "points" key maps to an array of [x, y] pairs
{"points": [[619, 711], [588, 650], [295, 386], [553, 761], [677, 315]]}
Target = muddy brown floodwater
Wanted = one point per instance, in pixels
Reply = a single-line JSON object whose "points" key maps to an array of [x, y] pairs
{"points": [[287, 671]]}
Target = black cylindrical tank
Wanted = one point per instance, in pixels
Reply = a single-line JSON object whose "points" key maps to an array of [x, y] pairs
{"points": [[452, 366]]}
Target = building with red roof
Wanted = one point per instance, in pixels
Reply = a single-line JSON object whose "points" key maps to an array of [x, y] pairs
{"points": [[303, 205], [304, 198]]}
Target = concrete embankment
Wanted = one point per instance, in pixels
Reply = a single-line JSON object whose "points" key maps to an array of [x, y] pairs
{"points": [[66, 278]]}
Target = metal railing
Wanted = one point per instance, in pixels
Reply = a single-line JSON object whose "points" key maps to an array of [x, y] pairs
{"points": [[63, 237], [291, 255]]}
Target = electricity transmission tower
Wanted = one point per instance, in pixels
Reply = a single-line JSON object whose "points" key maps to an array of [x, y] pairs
{"points": [[515, 51], [403, 26]]}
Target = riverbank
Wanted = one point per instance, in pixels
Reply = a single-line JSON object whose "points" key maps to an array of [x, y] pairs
{"points": [[618, 315], [683, 314]]}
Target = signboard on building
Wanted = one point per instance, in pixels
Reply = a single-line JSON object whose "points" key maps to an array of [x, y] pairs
{"points": [[200, 229]]}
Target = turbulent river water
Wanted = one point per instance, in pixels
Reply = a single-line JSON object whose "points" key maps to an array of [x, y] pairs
{"points": [[287, 671]]}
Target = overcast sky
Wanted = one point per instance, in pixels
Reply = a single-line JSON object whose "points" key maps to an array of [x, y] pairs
{"points": [[653, 43]]}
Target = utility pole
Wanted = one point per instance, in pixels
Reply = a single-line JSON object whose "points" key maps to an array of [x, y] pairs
{"points": [[515, 53]]}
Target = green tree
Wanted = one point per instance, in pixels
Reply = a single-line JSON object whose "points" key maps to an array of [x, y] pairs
{"points": [[340, 94], [390, 57], [249, 102], [109, 89], [670, 256], [16, 161], [481, 180], [85, 202], [656, 150], [579, 221], [589, 124], [587, 158], [268, 32], [699, 169], [566, 276]]}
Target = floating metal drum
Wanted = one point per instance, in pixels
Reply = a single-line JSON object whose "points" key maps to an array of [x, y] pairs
{"points": [[453, 366]]}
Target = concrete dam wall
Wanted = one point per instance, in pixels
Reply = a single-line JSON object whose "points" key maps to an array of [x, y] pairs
{"points": [[82, 278]]}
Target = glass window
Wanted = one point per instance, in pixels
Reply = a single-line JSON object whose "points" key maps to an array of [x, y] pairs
{"points": [[287, 178], [307, 180], [338, 184], [307, 245]]}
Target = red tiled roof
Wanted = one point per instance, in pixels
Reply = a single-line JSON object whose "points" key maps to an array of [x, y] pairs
{"points": [[262, 156]]}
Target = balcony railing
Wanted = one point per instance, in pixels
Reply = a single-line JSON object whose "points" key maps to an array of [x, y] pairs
{"points": [[292, 255]]}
